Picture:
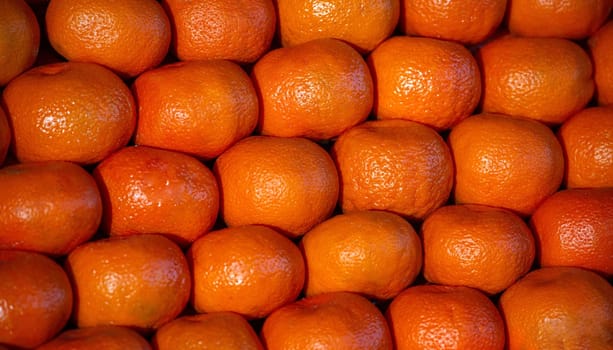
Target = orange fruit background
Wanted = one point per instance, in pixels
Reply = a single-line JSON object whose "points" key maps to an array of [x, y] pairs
{"points": [[290, 174]]}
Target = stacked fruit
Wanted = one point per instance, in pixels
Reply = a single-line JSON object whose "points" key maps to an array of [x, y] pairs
{"points": [[306, 174]]}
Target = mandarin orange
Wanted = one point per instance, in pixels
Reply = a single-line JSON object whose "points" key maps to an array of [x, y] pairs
{"points": [[361, 23], [445, 317], [35, 298], [72, 111], [505, 161], [150, 190], [600, 45], [240, 30], [19, 39], [558, 308], [216, 330], [316, 89], [430, 81], [198, 107], [374, 253], [251, 270], [587, 141], [476, 246], [571, 19], [464, 21], [339, 320], [48, 207], [547, 79], [140, 281], [574, 227], [399, 166], [100, 337], [127, 36], [290, 184]]}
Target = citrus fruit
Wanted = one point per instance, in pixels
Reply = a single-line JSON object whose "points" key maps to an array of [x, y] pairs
{"points": [[467, 22], [240, 31], [444, 317], [47, 207], [250, 270], [216, 330], [316, 89], [361, 23], [430, 81], [338, 320], [572, 19], [127, 36], [373, 253], [19, 39], [395, 165], [72, 111], [574, 227], [600, 46], [548, 309], [476, 246], [290, 184], [35, 298], [198, 107], [140, 281], [587, 141], [547, 79], [100, 337], [5, 136], [150, 190], [505, 161]]}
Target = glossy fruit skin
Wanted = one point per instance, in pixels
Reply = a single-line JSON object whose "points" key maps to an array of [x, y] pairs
{"points": [[19, 39], [467, 22], [39, 293], [216, 330], [506, 162], [71, 111], [240, 31], [587, 141], [267, 180], [599, 46], [546, 79], [101, 337], [150, 190], [5, 136], [316, 89], [431, 81], [440, 317], [48, 207], [127, 36], [395, 165], [548, 308], [362, 24], [476, 246], [196, 107], [338, 320], [140, 281], [250, 270], [374, 253], [574, 19], [574, 227]]}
